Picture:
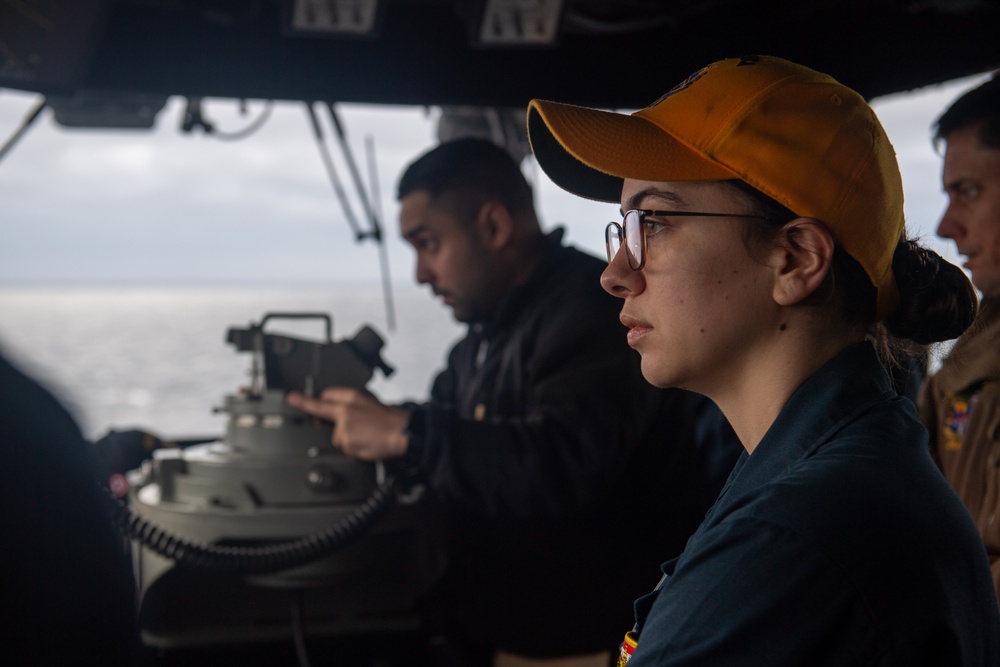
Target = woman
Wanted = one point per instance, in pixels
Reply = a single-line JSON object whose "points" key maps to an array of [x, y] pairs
{"points": [[763, 253]]}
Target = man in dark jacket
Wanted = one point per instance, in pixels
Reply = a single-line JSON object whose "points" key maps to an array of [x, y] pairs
{"points": [[550, 450]]}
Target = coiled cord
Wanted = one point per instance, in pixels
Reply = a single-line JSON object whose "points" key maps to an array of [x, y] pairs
{"points": [[255, 559]]}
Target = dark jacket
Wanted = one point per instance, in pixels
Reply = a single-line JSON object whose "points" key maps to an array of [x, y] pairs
{"points": [[65, 579], [837, 542], [569, 477]]}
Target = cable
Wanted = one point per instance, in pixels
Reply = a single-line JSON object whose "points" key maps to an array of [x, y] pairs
{"points": [[194, 117], [390, 310], [353, 168], [369, 205], [249, 129], [338, 188], [252, 560], [644, 16], [298, 631], [26, 124]]}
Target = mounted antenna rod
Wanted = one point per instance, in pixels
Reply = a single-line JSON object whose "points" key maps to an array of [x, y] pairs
{"points": [[26, 124], [376, 227], [390, 312], [334, 179]]}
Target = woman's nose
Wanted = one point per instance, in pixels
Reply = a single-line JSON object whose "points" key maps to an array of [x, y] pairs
{"points": [[619, 279]]}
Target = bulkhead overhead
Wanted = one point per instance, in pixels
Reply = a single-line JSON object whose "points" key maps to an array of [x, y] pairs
{"points": [[482, 52]]}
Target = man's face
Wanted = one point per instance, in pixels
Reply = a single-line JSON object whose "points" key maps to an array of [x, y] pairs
{"points": [[450, 257], [971, 179]]}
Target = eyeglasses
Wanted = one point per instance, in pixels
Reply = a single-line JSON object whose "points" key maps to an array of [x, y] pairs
{"points": [[634, 229]]}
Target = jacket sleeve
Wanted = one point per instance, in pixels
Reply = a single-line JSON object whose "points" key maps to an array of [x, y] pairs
{"points": [[586, 409]]}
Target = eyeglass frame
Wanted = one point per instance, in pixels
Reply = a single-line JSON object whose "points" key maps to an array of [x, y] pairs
{"points": [[622, 235]]}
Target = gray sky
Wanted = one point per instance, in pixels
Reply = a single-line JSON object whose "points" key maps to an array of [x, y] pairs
{"points": [[98, 206]]}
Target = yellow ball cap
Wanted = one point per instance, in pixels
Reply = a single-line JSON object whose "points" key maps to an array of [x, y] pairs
{"points": [[793, 133]]}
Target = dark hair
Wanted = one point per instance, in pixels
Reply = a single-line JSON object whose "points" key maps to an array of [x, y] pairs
{"points": [[937, 302], [467, 173], [979, 105]]}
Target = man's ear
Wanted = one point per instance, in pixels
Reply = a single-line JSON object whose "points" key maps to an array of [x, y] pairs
{"points": [[495, 226], [803, 259]]}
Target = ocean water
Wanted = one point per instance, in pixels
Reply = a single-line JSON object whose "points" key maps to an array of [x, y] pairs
{"points": [[156, 357]]}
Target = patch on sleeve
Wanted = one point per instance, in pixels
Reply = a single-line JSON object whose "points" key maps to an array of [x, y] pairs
{"points": [[958, 409]]}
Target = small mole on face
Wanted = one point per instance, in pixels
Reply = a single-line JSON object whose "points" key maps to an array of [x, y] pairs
{"points": [[783, 326]]}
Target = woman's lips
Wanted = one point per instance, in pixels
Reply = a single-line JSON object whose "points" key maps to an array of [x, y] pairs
{"points": [[636, 329]]}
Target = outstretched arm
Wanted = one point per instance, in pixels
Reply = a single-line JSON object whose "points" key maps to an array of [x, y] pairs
{"points": [[364, 428]]}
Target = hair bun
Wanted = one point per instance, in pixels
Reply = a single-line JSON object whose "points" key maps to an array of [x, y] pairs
{"points": [[937, 302]]}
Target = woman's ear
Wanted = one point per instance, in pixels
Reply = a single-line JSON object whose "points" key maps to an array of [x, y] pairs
{"points": [[495, 226], [803, 260]]}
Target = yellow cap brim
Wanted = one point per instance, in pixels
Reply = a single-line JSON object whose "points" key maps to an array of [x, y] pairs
{"points": [[588, 151]]}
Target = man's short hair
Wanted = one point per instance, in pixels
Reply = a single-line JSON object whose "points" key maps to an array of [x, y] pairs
{"points": [[466, 173], [979, 105]]}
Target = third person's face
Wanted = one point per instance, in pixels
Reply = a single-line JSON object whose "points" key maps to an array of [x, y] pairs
{"points": [[971, 178]]}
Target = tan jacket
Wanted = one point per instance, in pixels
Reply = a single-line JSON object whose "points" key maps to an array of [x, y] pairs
{"points": [[960, 404]]}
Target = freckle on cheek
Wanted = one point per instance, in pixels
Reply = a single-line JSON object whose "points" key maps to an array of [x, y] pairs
{"points": [[703, 331], [783, 326]]}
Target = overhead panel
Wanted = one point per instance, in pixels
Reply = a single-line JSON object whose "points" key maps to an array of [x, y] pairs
{"points": [[520, 22], [335, 18]]}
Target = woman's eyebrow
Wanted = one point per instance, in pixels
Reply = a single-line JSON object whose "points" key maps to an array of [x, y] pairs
{"points": [[668, 196]]}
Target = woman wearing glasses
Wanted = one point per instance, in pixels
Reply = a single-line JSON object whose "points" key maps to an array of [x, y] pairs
{"points": [[760, 255]]}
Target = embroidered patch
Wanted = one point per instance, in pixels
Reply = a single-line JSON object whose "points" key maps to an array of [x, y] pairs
{"points": [[627, 648], [682, 85], [956, 418], [744, 61]]}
